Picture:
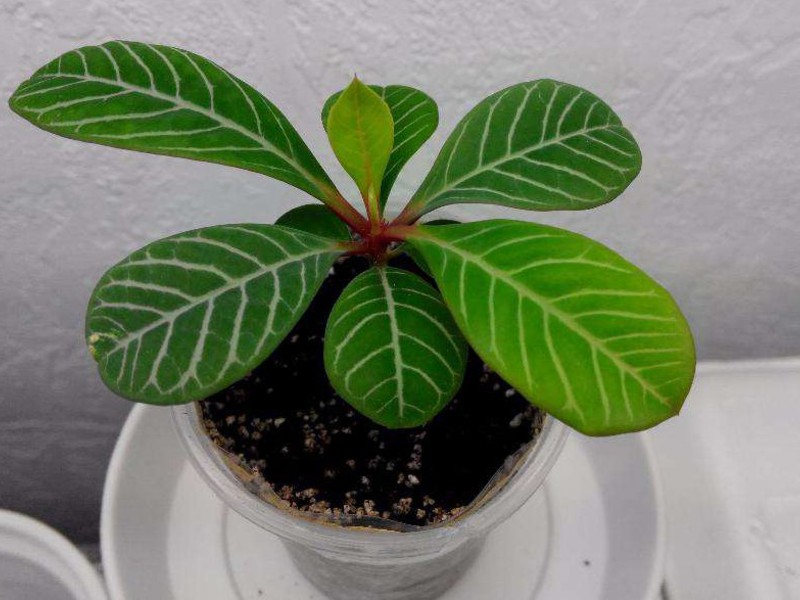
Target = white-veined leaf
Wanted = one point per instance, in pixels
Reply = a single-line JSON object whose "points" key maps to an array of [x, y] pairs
{"points": [[412, 252], [574, 327], [541, 145], [165, 100], [392, 349], [188, 315]]}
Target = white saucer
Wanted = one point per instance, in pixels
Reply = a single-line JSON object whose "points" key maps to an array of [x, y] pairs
{"points": [[37, 562], [595, 532]]}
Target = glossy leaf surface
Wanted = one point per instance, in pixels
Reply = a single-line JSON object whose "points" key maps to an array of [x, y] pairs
{"points": [[541, 145], [392, 349], [414, 253], [415, 116], [573, 326], [188, 315], [360, 129], [165, 100]]}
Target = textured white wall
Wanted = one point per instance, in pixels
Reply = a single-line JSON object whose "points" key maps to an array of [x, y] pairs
{"points": [[710, 89]]}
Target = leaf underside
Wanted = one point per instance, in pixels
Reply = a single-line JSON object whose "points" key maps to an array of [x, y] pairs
{"points": [[392, 349], [574, 327], [415, 116], [186, 316], [169, 101], [541, 145]]}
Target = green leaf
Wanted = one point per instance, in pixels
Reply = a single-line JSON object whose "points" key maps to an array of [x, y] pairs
{"points": [[415, 117], [574, 327], [414, 253], [188, 315], [168, 101], [392, 349], [541, 145], [316, 219], [361, 130]]}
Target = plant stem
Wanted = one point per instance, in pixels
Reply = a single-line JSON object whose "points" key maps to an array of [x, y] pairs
{"points": [[408, 216], [397, 233], [377, 241], [373, 208], [347, 213], [352, 247]]}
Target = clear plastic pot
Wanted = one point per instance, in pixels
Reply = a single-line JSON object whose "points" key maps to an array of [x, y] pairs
{"points": [[386, 561]]}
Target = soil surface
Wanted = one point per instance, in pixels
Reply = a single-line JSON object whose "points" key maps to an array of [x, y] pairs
{"points": [[286, 426]]}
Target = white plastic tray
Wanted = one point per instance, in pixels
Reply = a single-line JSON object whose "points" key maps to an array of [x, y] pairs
{"points": [[731, 470], [38, 563], [595, 533]]}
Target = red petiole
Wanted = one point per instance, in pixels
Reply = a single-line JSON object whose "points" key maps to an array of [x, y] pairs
{"points": [[377, 239]]}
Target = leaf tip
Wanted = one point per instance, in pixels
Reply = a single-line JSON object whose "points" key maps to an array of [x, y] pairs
{"points": [[13, 100]]}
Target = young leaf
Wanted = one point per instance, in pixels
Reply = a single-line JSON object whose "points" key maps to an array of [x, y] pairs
{"points": [[392, 349], [415, 117], [188, 315], [316, 219], [361, 130], [168, 101], [574, 327], [541, 145]]}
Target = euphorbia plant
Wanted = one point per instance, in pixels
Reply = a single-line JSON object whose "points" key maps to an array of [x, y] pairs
{"points": [[570, 324]]}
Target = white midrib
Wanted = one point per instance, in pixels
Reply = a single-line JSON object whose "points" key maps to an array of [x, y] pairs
{"points": [[180, 102], [395, 343], [171, 316], [565, 318], [449, 185]]}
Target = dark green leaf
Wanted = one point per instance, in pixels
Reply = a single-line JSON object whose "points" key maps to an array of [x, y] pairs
{"points": [[168, 101], [541, 145], [392, 349], [316, 219], [188, 315], [574, 327]]}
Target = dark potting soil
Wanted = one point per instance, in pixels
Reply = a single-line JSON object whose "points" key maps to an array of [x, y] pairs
{"points": [[284, 424]]}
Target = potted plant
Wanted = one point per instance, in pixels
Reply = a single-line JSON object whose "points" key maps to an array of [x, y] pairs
{"points": [[503, 315]]}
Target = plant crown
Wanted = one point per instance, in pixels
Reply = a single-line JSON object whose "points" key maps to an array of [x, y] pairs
{"points": [[570, 324]]}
